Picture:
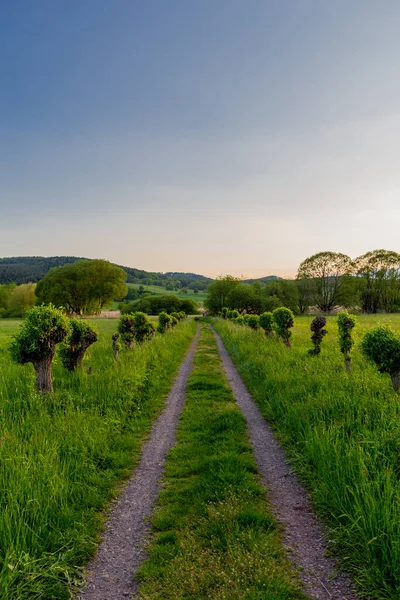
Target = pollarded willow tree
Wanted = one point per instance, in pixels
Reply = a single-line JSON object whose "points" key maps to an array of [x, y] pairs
{"points": [[283, 322], [135, 327], [378, 274], [164, 322], [382, 347], [318, 334], [43, 328], [81, 336], [346, 324], [325, 271], [266, 321]]}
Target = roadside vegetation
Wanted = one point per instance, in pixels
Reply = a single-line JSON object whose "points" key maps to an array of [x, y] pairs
{"points": [[215, 535], [341, 430], [63, 454]]}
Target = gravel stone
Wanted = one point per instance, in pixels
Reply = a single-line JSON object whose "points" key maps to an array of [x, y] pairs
{"points": [[111, 573], [304, 535]]}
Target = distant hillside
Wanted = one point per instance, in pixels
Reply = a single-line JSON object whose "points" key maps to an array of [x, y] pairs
{"points": [[263, 279], [23, 269]]}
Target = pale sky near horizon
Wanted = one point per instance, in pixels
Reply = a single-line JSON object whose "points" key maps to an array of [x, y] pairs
{"points": [[210, 136]]}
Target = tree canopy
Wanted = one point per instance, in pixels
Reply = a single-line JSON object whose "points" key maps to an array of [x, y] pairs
{"points": [[326, 271], [84, 287]]}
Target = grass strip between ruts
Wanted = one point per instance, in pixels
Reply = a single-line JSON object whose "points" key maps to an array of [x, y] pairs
{"points": [[215, 535]]}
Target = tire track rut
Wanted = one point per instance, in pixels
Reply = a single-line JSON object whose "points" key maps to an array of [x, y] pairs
{"points": [[111, 573]]}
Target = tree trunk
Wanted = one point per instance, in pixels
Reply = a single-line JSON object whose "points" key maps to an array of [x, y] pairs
{"points": [[396, 381], [44, 380], [347, 363], [116, 352], [287, 343]]}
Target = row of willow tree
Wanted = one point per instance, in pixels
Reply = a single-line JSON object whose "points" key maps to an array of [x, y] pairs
{"points": [[380, 345], [45, 327], [325, 281]]}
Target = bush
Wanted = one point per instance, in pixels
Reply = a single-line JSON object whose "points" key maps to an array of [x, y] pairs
{"points": [[382, 347], [238, 320], [317, 327], [253, 321], [35, 342], [283, 321], [116, 344], [135, 327], [224, 312], [346, 324], [164, 322], [233, 314], [81, 336], [266, 321]]}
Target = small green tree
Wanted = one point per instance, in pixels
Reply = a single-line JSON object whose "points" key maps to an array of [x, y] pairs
{"points": [[346, 324], [135, 327], [43, 328], [224, 312], [233, 314], [81, 336], [174, 321], [283, 321], [318, 333], [382, 346], [266, 321], [164, 322], [253, 322], [239, 320], [182, 315], [116, 344]]}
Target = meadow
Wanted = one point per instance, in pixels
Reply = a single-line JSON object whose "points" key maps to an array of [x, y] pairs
{"points": [[162, 291], [342, 434], [62, 457]]}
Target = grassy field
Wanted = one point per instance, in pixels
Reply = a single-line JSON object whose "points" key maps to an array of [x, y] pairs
{"points": [[215, 536], [342, 433], [161, 291], [62, 456]]}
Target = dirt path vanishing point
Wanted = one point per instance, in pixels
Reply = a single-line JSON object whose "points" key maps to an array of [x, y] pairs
{"points": [[304, 535], [111, 574]]}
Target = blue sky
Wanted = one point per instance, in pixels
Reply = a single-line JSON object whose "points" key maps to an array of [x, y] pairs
{"points": [[215, 136]]}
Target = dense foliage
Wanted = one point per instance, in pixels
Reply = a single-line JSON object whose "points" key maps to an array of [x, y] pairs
{"points": [[16, 300], [153, 305], [382, 346], [346, 324], [283, 322], [318, 333], [43, 328], [84, 287], [135, 327], [81, 336], [266, 322]]}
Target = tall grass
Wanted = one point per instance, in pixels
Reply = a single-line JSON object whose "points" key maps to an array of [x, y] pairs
{"points": [[62, 456], [216, 537], [342, 432]]}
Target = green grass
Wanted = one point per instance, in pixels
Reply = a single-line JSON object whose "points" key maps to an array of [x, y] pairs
{"points": [[161, 291], [61, 457], [215, 536], [342, 433]]}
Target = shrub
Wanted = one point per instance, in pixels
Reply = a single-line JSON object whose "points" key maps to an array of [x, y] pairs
{"points": [[317, 327], [81, 336], [35, 342], [174, 320], [283, 321], [239, 320], [382, 346], [233, 314], [253, 321], [346, 324], [116, 344], [224, 312], [164, 322], [135, 327], [182, 315], [266, 321]]}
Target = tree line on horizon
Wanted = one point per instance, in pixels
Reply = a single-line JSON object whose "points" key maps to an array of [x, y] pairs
{"points": [[326, 280]]}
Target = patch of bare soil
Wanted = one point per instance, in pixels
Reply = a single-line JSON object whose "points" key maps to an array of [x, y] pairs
{"points": [[304, 534], [111, 574]]}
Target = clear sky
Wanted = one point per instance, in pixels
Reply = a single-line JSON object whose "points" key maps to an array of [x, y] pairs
{"points": [[212, 136]]}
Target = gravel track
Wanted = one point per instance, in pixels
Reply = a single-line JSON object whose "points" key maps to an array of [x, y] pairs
{"points": [[304, 534], [111, 574]]}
